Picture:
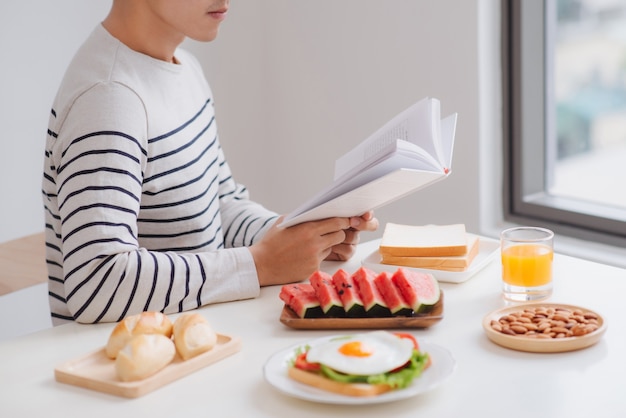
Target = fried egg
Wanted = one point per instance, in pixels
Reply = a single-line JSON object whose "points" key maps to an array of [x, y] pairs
{"points": [[363, 354]]}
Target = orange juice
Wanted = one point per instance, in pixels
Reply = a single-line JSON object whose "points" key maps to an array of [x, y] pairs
{"points": [[527, 265]]}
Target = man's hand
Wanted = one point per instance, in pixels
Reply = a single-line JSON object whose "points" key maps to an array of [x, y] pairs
{"points": [[287, 255], [345, 250]]}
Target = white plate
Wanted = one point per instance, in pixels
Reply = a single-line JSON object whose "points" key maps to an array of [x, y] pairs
{"points": [[275, 372], [488, 249]]}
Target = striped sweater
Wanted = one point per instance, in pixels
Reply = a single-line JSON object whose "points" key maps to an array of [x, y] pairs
{"points": [[141, 209]]}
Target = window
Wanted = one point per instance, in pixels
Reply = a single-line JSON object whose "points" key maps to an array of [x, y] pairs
{"points": [[565, 120]]}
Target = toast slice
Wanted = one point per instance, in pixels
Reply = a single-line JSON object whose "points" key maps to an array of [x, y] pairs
{"points": [[424, 241], [451, 263], [340, 388]]}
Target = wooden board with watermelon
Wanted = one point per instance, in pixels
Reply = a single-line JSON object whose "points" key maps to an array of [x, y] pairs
{"points": [[363, 300]]}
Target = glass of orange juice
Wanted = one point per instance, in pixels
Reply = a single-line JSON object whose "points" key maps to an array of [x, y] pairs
{"points": [[527, 254]]}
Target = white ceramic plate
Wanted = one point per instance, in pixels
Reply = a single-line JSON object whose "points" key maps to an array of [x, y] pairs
{"points": [[488, 249], [275, 372]]}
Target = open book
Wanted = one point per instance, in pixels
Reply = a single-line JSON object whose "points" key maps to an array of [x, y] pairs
{"points": [[411, 151]]}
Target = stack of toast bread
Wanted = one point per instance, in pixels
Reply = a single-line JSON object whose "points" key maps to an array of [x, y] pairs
{"points": [[436, 247]]}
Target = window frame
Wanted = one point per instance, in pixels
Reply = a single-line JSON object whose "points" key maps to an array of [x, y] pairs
{"points": [[527, 122]]}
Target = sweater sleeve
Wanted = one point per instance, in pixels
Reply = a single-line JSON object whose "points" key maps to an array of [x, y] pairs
{"points": [[102, 271], [244, 221]]}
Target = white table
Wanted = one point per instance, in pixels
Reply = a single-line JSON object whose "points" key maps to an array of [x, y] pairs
{"points": [[489, 381]]}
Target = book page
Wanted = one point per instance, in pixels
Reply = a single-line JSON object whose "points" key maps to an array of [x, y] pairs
{"points": [[416, 158], [370, 196], [419, 124], [448, 132], [398, 155], [410, 152]]}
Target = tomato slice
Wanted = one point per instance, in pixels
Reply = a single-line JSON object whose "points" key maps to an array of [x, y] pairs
{"points": [[302, 364], [408, 337], [415, 346]]}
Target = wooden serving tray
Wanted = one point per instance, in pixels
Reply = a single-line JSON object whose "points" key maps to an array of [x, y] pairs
{"points": [[425, 320], [96, 371]]}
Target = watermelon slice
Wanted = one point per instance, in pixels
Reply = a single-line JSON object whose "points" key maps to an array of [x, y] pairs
{"points": [[420, 290], [327, 294], [373, 301], [391, 295], [301, 298], [352, 303]]}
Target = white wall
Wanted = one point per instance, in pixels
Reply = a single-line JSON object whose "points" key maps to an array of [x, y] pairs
{"points": [[296, 83], [37, 40], [300, 83]]}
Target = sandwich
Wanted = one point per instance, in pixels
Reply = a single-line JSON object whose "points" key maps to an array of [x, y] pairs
{"points": [[365, 364]]}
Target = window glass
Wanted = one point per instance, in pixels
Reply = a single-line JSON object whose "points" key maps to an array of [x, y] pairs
{"points": [[565, 117], [589, 100]]}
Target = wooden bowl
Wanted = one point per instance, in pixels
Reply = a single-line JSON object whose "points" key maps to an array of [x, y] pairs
{"points": [[537, 345]]}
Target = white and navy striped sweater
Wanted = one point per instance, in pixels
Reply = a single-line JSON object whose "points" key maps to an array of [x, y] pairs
{"points": [[142, 212]]}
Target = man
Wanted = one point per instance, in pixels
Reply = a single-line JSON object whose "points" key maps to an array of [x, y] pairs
{"points": [[142, 212]]}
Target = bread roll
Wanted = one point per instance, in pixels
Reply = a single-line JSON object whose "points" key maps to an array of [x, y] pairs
{"points": [[193, 335], [143, 356], [143, 323]]}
